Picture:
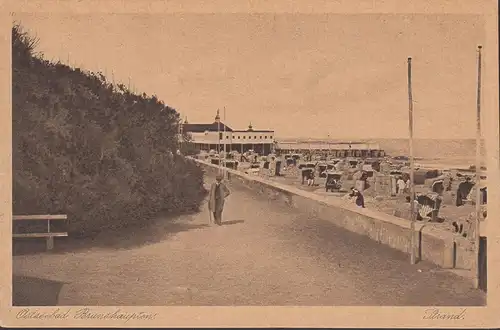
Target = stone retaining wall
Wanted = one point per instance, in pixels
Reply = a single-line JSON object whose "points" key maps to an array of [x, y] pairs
{"points": [[440, 247]]}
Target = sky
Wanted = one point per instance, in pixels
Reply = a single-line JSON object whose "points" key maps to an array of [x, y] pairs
{"points": [[303, 75]]}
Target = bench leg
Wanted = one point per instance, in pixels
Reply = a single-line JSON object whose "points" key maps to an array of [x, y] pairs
{"points": [[50, 243]]}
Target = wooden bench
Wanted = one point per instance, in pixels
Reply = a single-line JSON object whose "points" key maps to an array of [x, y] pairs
{"points": [[48, 235]]}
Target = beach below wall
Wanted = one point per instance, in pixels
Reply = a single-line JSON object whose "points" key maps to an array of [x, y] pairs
{"points": [[391, 205]]}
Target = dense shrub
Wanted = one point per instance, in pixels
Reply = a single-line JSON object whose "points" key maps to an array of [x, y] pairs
{"points": [[188, 148], [93, 150]]}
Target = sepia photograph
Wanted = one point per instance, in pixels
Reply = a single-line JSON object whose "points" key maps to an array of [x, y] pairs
{"points": [[248, 159]]}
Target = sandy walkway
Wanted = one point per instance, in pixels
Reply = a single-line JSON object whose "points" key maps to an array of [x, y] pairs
{"points": [[264, 255]]}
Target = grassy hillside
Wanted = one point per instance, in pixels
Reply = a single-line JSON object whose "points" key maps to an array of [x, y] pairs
{"points": [[91, 149]]}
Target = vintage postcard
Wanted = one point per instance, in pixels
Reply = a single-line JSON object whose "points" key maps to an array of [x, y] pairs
{"points": [[250, 163]]}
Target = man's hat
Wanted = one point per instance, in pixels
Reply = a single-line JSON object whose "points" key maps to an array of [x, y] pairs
{"points": [[219, 177]]}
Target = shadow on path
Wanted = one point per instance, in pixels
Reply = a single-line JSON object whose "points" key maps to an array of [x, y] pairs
{"points": [[359, 256], [33, 291], [232, 222], [125, 238]]}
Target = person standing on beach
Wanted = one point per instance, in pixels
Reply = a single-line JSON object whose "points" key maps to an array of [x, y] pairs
{"points": [[216, 199], [360, 200], [401, 186], [407, 186], [394, 186], [310, 178]]}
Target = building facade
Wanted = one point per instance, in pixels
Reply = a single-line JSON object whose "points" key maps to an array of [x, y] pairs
{"points": [[219, 136], [337, 149]]}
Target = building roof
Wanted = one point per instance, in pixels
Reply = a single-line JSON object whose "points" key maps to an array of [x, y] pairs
{"points": [[253, 131], [324, 146], [250, 129], [200, 128]]}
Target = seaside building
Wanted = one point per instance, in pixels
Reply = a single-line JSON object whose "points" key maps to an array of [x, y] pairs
{"points": [[217, 134], [337, 149]]}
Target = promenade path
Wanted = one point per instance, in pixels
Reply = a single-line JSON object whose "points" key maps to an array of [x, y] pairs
{"points": [[265, 254]]}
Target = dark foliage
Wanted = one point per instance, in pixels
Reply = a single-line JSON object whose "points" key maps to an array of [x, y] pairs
{"points": [[188, 148], [93, 150]]}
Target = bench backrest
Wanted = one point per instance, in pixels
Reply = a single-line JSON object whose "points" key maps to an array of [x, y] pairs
{"points": [[40, 217]]}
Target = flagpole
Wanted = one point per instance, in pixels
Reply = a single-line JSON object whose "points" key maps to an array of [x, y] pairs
{"points": [[224, 132], [180, 132], [412, 166], [218, 136], [224, 140], [329, 148], [231, 141], [310, 149], [478, 173]]}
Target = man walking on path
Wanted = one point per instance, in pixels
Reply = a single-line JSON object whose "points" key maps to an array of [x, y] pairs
{"points": [[218, 194]]}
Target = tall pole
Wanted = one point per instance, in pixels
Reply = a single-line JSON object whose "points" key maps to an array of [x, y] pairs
{"points": [[225, 132], [478, 173], [225, 138], [230, 141], [412, 166], [329, 147], [180, 133], [264, 147], [310, 149], [217, 118]]}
